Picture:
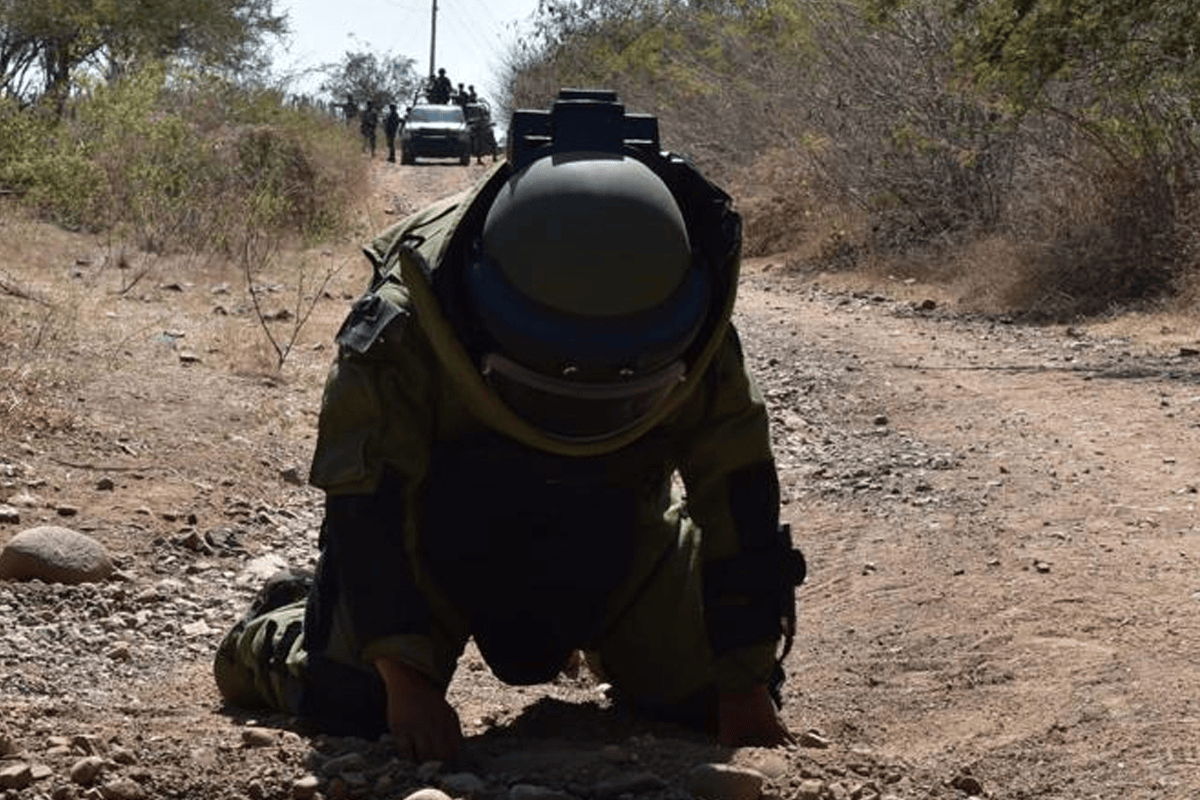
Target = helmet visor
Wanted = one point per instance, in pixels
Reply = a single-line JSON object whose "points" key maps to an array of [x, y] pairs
{"points": [[575, 411]]}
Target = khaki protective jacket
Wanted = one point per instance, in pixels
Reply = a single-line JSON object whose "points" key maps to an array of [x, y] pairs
{"points": [[404, 382]]}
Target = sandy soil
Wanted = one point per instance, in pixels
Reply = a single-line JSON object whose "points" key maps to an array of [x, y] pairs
{"points": [[1004, 590]]}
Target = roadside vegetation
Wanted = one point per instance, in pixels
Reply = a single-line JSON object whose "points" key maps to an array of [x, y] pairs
{"points": [[1033, 158], [154, 129], [1037, 157]]}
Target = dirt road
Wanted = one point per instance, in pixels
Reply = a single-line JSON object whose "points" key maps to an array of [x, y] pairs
{"points": [[1004, 591]]}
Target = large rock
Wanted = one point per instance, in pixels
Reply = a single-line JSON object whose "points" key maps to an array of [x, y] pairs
{"points": [[54, 555]]}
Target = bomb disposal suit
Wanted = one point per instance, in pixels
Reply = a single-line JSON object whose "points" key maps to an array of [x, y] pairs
{"points": [[534, 361]]}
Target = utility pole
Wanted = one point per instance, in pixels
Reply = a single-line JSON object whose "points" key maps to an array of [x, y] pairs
{"points": [[433, 40]]}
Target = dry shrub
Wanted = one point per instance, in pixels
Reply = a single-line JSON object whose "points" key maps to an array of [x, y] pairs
{"points": [[1097, 239], [723, 83], [784, 214], [173, 165], [776, 204], [38, 334]]}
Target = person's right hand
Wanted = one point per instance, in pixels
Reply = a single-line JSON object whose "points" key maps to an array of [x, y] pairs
{"points": [[424, 725]]}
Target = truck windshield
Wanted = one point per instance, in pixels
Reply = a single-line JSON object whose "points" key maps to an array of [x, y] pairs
{"points": [[436, 114]]}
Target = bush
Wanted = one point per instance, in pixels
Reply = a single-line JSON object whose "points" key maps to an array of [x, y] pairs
{"points": [[173, 164], [857, 139]]}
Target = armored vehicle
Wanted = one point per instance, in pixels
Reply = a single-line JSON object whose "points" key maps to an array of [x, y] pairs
{"points": [[435, 131]]}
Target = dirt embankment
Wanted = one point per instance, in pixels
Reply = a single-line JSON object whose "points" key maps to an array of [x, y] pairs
{"points": [[1004, 593]]}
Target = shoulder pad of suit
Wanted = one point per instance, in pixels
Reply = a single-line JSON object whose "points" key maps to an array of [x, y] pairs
{"points": [[413, 231], [374, 320]]}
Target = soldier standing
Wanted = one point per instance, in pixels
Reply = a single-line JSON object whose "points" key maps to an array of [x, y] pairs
{"points": [[370, 121], [441, 88], [391, 126], [497, 444]]}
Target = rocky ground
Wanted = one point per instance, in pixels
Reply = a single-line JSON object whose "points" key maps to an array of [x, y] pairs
{"points": [[1004, 593]]}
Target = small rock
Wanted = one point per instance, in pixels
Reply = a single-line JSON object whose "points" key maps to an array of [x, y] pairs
{"points": [[633, 783], [350, 762], [197, 628], [305, 788], [8, 746], [85, 771], [16, 776], [188, 357], [253, 737], [121, 755], [813, 739], [810, 789], [9, 515], [292, 475], [105, 485], [969, 784], [25, 500], [87, 745], [462, 784], [771, 764], [67, 510], [122, 789], [259, 569], [428, 769], [616, 754], [428, 793], [724, 782], [880, 420], [526, 791]]}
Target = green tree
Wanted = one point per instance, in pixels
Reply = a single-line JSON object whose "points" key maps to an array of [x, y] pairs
{"points": [[45, 44], [383, 79], [1124, 49], [1126, 46]]}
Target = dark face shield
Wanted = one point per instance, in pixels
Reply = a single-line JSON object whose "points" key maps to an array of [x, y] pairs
{"points": [[579, 412]]}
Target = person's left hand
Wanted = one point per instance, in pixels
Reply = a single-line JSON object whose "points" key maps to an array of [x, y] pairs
{"points": [[750, 719]]}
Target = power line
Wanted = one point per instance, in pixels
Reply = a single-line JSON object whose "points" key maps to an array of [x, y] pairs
{"points": [[471, 31]]}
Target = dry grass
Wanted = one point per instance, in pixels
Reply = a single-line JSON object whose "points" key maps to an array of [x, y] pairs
{"points": [[39, 340], [852, 146]]}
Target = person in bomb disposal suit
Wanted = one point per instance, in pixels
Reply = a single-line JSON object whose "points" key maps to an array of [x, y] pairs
{"points": [[532, 363]]}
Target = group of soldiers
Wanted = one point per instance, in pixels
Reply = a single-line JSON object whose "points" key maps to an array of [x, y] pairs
{"points": [[368, 124], [438, 89]]}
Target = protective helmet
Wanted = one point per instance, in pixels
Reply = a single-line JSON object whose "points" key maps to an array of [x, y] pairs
{"points": [[587, 287]]}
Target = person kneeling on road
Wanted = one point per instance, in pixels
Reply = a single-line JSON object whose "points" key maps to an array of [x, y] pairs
{"points": [[532, 364]]}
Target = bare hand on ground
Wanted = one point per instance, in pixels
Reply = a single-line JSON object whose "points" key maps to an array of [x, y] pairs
{"points": [[749, 719], [424, 725]]}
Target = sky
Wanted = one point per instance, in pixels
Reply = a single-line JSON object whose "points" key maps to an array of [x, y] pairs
{"points": [[472, 35]]}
